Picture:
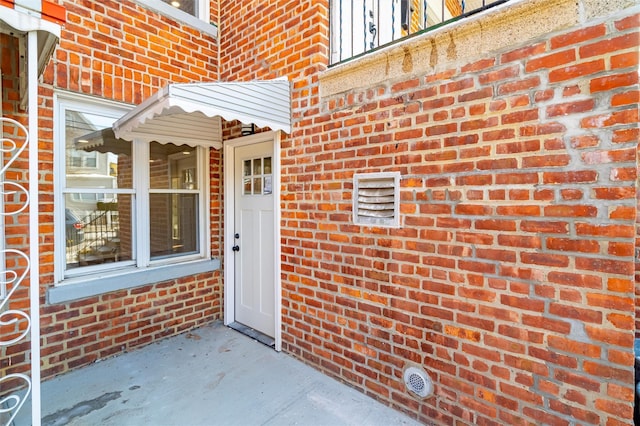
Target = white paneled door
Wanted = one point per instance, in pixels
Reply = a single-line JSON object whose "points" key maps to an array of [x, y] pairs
{"points": [[254, 237]]}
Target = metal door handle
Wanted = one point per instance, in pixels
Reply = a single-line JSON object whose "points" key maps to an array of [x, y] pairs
{"points": [[235, 248]]}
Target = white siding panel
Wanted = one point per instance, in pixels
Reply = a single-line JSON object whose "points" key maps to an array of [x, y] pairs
{"points": [[190, 113]]}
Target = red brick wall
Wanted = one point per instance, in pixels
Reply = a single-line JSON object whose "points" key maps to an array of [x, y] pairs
{"points": [[82, 332], [270, 39], [511, 279], [123, 52]]}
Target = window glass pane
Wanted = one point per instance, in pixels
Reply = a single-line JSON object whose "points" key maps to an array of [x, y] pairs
{"points": [[267, 185], [257, 186], [91, 160], [97, 228], [94, 158], [267, 189], [173, 166], [81, 158], [257, 166], [75, 161], [247, 186], [173, 224], [188, 6], [247, 168]]}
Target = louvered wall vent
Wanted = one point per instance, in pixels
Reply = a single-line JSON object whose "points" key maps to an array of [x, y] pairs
{"points": [[376, 199]]}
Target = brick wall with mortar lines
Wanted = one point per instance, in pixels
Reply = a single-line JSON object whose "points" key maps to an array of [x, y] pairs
{"points": [[512, 278], [329, 311], [278, 39], [119, 51]]}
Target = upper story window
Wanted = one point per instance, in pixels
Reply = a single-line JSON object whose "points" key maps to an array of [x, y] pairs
{"points": [[79, 159], [196, 13], [358, 26], [197, 8]]}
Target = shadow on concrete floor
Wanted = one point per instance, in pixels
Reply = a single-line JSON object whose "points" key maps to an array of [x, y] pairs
{"points": [[210, 376]]}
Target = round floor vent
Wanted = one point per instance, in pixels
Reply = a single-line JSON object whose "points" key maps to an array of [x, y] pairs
{"points": [[418, 382]]}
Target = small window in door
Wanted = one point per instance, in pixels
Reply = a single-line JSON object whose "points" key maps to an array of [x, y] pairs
{"points": [[257, 177]]}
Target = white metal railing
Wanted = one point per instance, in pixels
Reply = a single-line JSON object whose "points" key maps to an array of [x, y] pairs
{"points": [[358, 26], [15, 323]]}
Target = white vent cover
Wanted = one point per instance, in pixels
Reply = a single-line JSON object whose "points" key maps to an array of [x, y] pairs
{"points": [[418, 382], [376, 199]]}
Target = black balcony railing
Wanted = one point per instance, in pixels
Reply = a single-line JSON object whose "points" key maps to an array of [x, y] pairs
{"points": [[359, 26]]}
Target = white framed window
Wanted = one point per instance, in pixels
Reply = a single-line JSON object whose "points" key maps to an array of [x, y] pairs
{"points": [[197, 8], [376, 199], [143, 206], [196, 13]]}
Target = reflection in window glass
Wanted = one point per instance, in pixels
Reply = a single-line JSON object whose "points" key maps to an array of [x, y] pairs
{"points": [[93, 154], [267, 185], [188, 6], [172, 166], [174, 224], [97, 220], [258, 177], [257, 166], [97, 228], [82, 159], [98, 200], [173, 211]]}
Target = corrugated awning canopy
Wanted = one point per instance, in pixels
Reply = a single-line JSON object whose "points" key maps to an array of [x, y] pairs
{"points": [[190, 113]]}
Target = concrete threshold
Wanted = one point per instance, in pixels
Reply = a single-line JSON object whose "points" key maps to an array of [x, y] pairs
{"points": [[210, 376]]}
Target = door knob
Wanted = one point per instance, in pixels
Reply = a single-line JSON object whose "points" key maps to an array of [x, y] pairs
{"points": [[235, 248]]}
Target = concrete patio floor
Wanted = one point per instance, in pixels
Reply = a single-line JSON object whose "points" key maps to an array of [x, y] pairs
{"points": [[210, 376]]}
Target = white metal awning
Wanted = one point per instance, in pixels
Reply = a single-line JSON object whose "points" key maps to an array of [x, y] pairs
{"points": [[191, 113]]}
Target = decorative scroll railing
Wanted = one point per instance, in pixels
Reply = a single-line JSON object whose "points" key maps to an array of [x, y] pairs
{"points": [[358, 26], [15, 315]]}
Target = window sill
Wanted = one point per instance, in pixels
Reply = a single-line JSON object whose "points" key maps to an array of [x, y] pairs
{"points": [[79, 288], [173, 13]]}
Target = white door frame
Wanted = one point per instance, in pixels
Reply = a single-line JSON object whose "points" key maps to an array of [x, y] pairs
{"points": [[229, 227]]}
